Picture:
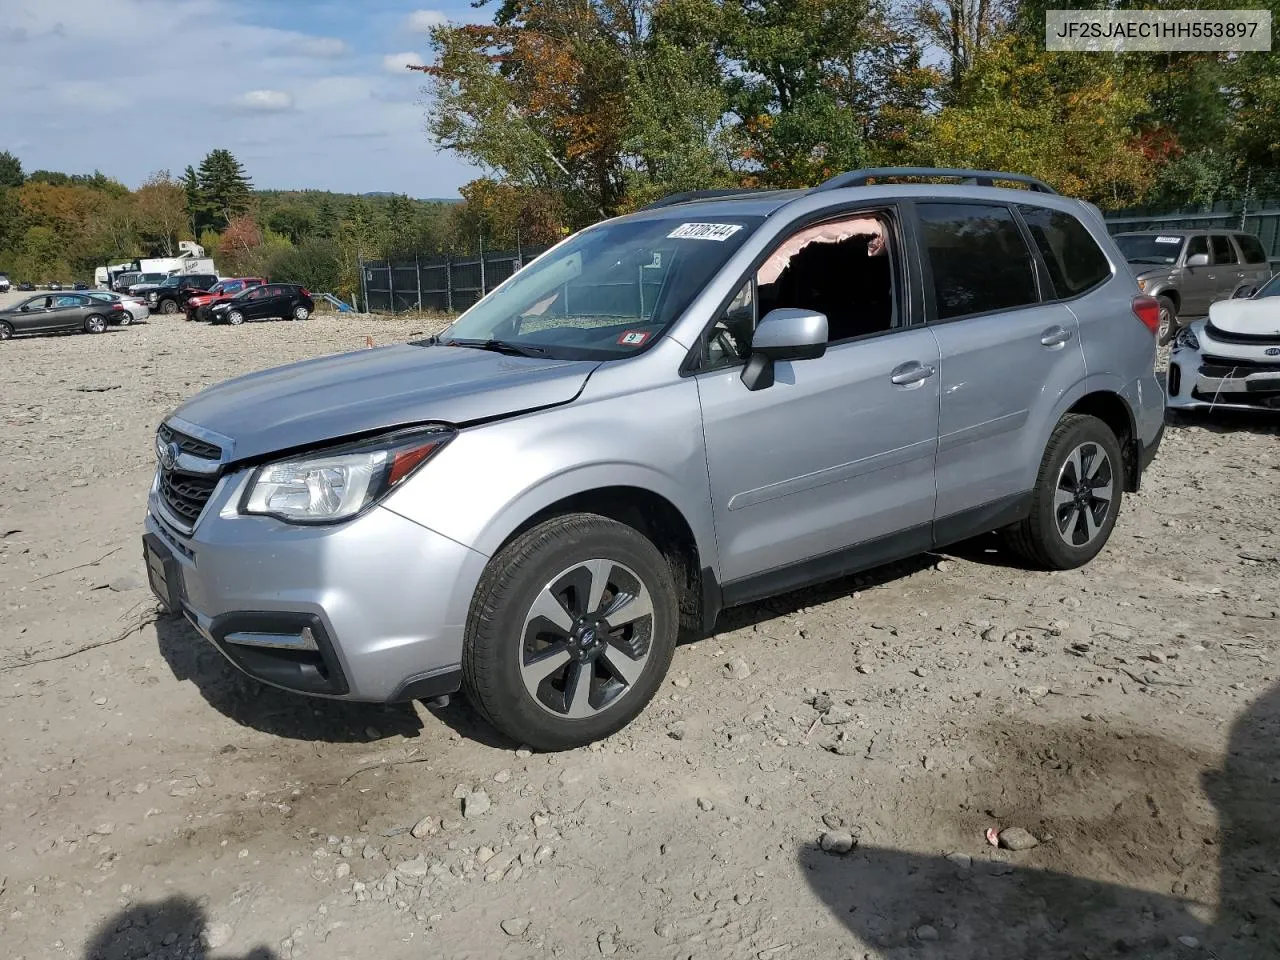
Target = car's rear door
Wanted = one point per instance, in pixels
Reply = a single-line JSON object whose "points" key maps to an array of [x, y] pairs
{"points": [[1198, 284], [1226, 265], [1254, 268], [1007, 356]]}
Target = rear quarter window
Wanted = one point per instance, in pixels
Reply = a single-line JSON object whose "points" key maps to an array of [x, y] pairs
{"points": [[1076, 263], [1251, 247]]}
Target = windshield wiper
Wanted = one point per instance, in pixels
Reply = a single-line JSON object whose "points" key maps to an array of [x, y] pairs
{"points": [[1159, 263], [499, 346]]}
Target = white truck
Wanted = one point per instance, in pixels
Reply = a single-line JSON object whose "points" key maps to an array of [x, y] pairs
{"points": [[190, 259]]}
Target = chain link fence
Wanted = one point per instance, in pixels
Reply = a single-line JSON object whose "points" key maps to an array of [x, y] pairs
{"points": [[437, 284]]}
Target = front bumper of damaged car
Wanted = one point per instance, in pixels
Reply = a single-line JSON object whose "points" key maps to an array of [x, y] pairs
{"points": [[367, 609], [1206, 373]]}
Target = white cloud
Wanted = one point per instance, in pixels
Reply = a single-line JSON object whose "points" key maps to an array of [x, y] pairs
{"points": [[396, 62], [421, 21], [324, 48], [264, 101]]}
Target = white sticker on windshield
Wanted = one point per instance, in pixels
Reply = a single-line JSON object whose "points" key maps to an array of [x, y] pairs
{"points": [[720, 232], [1168, 239]]}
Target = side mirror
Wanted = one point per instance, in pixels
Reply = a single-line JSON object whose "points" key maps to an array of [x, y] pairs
{"points": [[1198, 260], [784, 334], [1243, 293]]}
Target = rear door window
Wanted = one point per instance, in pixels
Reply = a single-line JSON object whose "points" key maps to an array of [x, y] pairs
{"points": [[979, 260], [1075, 261], [1252, 248], [1223, 251]]}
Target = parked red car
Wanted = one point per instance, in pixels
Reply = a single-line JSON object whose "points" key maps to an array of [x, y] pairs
{"points": [[225, 289]]}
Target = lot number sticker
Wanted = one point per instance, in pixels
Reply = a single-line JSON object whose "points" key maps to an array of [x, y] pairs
{"points": [[633, 338], [720, 232], [1168, 239]]}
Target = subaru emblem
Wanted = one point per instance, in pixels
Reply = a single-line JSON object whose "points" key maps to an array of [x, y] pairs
{"points": [[1273, 351], [167, 454]]}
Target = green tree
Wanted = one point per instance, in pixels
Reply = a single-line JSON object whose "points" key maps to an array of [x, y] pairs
{"points": [[194, 200], [10, 170], [225, 188], [316, 264], [161, 209], [292, 221]]}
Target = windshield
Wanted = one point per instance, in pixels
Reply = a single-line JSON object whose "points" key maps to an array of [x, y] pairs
{"points": [[605, 293], [171, 281], [1154, 248], [1269, 289]]}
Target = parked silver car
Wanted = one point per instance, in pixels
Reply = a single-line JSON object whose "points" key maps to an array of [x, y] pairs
{"points": [[1186, 270], [708, 402]]}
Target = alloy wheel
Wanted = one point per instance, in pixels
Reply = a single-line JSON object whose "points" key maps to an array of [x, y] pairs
{"points": [[1083, 494], [586, 639]]}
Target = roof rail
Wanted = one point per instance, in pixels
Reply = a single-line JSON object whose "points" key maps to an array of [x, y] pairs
{"points": [[981, 178], [689, 196]]}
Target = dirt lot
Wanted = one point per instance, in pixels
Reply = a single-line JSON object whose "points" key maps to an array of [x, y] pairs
{"points": [[154, 803]]}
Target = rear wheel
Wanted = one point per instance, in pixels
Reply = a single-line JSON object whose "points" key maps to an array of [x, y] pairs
{"points": [[300, 312], [126, 318], [571, 631], [6, 331], [235, 318], [1076, 498], [95, 323]]}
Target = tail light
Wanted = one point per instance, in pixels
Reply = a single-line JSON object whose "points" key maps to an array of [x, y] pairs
{"points": [[306, 292], [1147, 309], [117, 308]]}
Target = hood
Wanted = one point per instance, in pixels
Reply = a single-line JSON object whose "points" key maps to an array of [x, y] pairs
{"points": [[330, 398], [1151, 271], [1258, 318]]}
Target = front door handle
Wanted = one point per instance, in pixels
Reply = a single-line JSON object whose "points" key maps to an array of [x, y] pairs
{"points": [[911, 372], [1055, 336]]}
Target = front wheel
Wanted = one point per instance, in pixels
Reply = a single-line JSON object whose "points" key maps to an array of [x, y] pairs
{"points": [[168, 306], [235, 318], [95, 323], [1168, 319], [571, 632], [300, 312], [1076, 497]]}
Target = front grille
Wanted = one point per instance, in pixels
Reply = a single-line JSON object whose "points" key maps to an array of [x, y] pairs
{"points": [[1222, 336], [190, 445], [1212, 366], [186, 493]]}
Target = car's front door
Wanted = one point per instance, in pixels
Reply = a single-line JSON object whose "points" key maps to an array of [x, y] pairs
{"points": [[33, 316], [1006, 359], [252, 304], [1199, 283], [831, 467]]}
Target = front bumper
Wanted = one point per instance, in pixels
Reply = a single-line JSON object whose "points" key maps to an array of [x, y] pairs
{"points": [[1198, 379], [372, 609]]}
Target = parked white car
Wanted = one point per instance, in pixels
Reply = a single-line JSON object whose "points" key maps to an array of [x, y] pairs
{"points": [[135, 308], [1230, 358]]}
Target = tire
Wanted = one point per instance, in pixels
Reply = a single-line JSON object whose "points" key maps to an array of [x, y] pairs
{"points": [[563, 558], [235, 317], [1040, 539], [126, 318], [300, 312], [95, 323], [1168, 319], [168, 306], [6, 331]]}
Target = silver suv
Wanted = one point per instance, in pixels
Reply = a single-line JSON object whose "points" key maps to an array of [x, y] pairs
{"points": [[1187, 270], [713, 400]]}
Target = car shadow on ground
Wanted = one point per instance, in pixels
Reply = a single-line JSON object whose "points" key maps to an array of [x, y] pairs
{"points": [[1160, 827], [172, 929], [1264, 423], [277, 712]]}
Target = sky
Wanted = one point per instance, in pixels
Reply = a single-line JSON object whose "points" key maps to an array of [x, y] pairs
{"points": [[305, 94]]}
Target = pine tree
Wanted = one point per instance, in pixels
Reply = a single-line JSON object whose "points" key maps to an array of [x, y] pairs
{"points": [[195, 200], [224, 186], [10, 170]]}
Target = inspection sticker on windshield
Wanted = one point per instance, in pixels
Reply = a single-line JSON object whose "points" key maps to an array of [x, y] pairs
{"points": [[720, 232], [1168, 239], [633, 338]]}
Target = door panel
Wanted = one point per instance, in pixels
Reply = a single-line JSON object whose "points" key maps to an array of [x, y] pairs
{"points": [[833, 454], [1198, 284], [1002, 375]]}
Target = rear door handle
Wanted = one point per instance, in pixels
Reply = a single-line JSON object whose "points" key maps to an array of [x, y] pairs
{"points": [[911, 372], [1055, 336]]}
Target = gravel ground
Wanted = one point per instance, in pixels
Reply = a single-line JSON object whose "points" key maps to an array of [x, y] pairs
{"points": [[816, 780]]}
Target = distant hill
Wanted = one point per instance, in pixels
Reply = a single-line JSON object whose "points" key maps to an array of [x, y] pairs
{"points": [[388, 193]]}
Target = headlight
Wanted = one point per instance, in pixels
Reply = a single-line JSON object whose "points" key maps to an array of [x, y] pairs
{"points": [[1186, 338], [338, 484]]}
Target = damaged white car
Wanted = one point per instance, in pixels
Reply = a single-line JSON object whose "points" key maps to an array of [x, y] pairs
{"points": [[1231, 358]]}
